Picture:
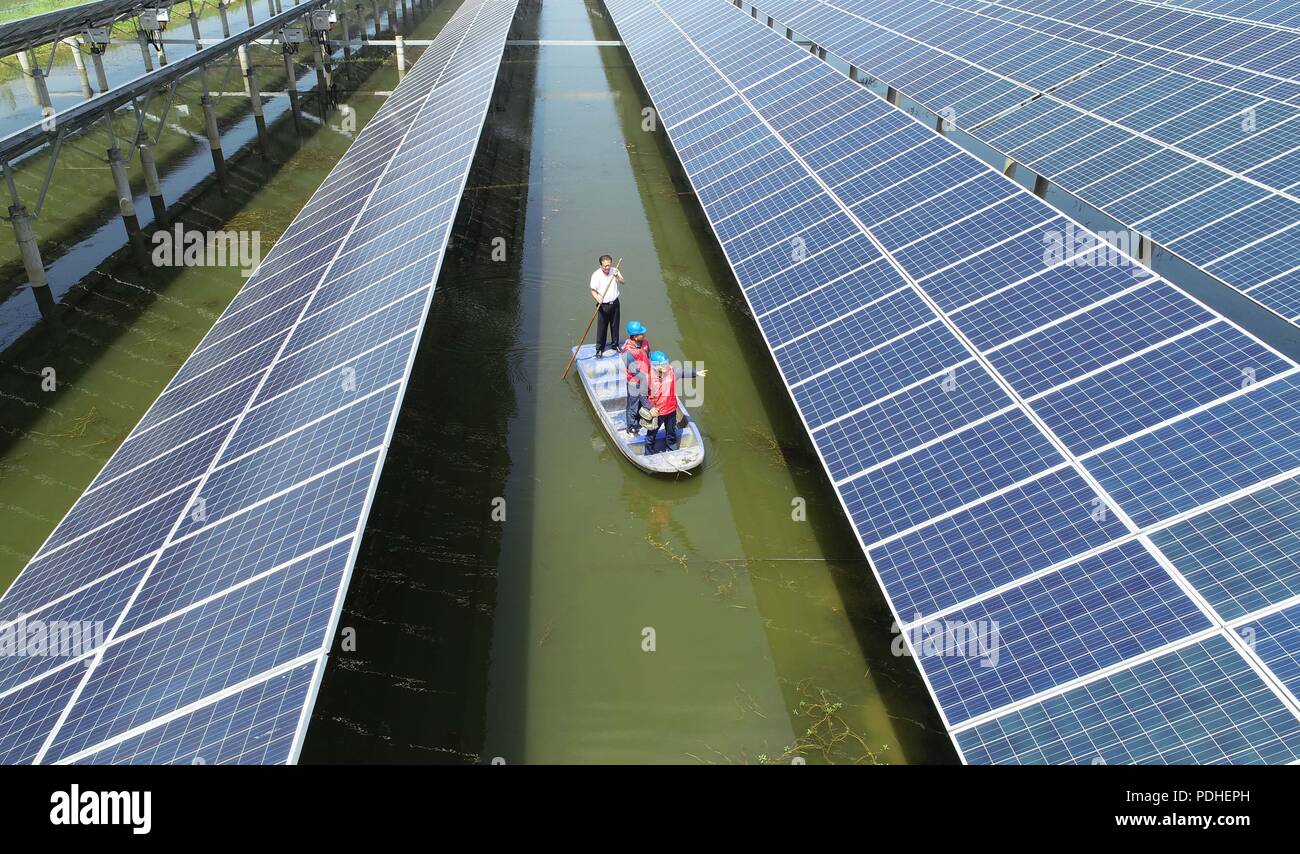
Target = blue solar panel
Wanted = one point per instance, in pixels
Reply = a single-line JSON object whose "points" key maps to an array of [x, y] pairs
{"points": [[895, 425], [1052, 630], [1243, 556], [214, 547], [1275, 640], [995, 542], [1200, 704], [988, 457], [1206, 455], [1104, 333], [951, 370], [1141, 125], [255, 726], [1176, 376], [1043, 299], [274, 620]]}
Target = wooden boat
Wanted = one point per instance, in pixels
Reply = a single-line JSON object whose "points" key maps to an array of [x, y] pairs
{"points": [[606, 383]]}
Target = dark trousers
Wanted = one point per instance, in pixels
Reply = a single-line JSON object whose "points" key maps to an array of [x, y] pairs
{"points": [[607, 322], [638, 397], [634, 404], [669, 423]]}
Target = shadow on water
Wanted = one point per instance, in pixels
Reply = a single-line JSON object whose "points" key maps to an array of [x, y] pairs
{"points": [[424, 590]]}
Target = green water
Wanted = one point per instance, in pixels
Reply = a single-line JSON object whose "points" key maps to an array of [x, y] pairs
{"points": [[524, 640]]}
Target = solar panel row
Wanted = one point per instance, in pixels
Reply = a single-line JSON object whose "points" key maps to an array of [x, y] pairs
{"points": [[1282, 13], [1247, 56], [1007, 431], [215, 546], [1201, 155]]}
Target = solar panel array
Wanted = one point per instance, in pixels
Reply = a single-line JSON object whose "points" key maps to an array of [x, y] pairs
{"points": [[1282, 13], [1183, 127], [1069, 451], [215, 546]]}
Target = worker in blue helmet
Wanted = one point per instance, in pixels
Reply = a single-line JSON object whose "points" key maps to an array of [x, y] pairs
{"points": [[636, 362], [663, 400]]}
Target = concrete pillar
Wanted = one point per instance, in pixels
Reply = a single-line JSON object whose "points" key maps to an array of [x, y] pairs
{"points": [[291, 82], [79, 62], [35, 267], [322, 82], [244, 65], [376, 18], [145, 145], [32, 75], [225, 19], [214, 135], [144, 51], [126, 203], [255, 99], [248, 9], [101, 77], [270, 8], [401, 57]]}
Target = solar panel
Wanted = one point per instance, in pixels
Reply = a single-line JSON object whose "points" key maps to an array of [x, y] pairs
{"points": [[1201, 704], [1181, 126], [215, 546], [1033, 451], [1282, 13]]}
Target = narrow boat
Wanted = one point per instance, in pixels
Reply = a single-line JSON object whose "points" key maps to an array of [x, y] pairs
{"points": [[606, 385]]}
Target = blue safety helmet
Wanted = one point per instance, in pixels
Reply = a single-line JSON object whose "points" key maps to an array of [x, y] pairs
{"points": [[635, 327], [658, 358]]}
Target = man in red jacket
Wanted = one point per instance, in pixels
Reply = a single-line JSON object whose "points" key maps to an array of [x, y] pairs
{"points": [[636, 361], [663, 402], [663, 399]]}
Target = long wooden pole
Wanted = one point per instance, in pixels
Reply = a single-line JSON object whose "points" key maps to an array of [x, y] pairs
{"points": [[619, 267]]}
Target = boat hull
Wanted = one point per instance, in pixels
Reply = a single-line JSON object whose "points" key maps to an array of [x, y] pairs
{"points": [[605, 382]]}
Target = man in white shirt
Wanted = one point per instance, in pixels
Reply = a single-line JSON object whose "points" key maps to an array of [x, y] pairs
{"points": [[604, 290]]}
